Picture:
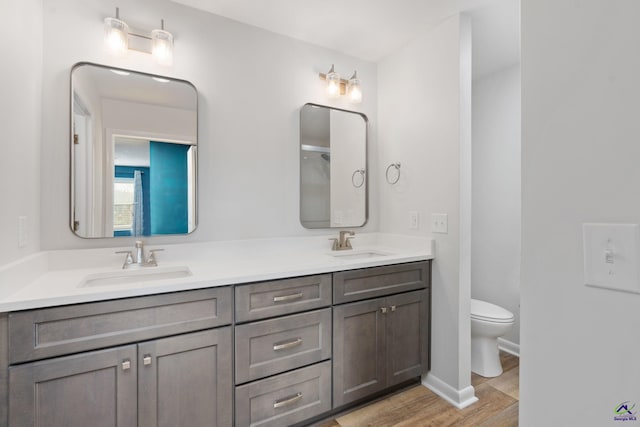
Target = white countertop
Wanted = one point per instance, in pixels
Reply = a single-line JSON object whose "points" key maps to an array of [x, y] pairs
{"points": [[55, 277]]}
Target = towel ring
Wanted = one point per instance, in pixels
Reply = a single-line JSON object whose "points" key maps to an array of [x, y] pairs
{"points": [[397, 178], [353, 178]]}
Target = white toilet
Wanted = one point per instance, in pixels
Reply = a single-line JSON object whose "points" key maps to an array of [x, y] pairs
{"points": [[488, 322]]}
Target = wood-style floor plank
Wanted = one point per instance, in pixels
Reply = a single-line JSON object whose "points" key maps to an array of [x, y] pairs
{"points": [[506, 418], [420, 407], [508, 382]]}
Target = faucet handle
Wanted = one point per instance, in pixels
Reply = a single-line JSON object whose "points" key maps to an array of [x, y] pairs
{"points": [[128, 259], [334, 246], [347, 241], [151, 259]]}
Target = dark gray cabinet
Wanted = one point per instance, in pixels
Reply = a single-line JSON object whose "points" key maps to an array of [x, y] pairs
{"points": [[146, 361], [380, 328], [286, 398], [277, 345], [170, 359], [185, 381], [179, 381], [283, 364], [91, 389], [49, 332], [379, 343], [407, 336], [359, 340]]}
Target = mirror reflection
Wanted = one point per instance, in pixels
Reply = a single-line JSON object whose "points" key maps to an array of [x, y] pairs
{"points": [[134, 153], [333, 167]]}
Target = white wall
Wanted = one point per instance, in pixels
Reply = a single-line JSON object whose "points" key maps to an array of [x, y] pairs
{"points": [[20, 113], [495, 239], [422, 125], [580, 163], [251, 84]]}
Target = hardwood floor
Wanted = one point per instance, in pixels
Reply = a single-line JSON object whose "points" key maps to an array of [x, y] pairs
{"points": [[419, 407]]}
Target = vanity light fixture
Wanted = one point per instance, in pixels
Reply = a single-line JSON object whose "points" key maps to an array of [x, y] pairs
{"points": [[162, 48], [333, 83], [337, 86], [119, 38], [116, 34], [354, 90]]}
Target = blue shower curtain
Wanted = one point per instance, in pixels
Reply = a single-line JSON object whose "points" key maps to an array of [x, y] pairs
{"points": [[137, 227]]}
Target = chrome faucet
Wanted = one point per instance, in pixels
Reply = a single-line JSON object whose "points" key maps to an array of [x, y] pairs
{"points": [[139, 260], [343, 242]]}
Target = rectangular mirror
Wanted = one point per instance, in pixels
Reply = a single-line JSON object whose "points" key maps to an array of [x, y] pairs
{"points": [[133, 153], [333, 167]]}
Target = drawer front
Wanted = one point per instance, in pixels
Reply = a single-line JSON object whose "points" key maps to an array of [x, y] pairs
{"points": [[279, 297], [272, 346], [39, 334], [286, 398], [375, 282]]}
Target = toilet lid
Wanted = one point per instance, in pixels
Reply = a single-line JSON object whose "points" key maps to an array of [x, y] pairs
{"points": [[483, 310]]}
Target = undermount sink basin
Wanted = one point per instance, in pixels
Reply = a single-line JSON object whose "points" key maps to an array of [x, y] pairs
{"points": [[124, 277], [360, 254]]}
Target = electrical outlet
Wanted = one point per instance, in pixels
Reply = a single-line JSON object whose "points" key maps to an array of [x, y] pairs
{"points": [[414, 220], [23, 232], [439, 223]]}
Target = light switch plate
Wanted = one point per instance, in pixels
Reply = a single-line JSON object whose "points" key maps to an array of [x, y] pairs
{"points": [[439, 223], [414, 220], [611, 256]]}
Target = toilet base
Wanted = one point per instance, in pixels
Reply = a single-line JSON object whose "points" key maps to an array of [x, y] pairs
{"points": [[485, 357]]}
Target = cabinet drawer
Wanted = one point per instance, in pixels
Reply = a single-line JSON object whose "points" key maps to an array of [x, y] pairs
{"points": [[374, 282], [286, 398], [38, 334], [275, 298], [272, 346]]}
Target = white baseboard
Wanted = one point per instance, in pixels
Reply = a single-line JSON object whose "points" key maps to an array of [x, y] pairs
{"points": [[509, 347], [458, 398]]}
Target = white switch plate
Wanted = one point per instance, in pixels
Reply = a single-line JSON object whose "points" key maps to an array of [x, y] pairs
{"points": [[439, 223], [414, 220], [611, 255]]}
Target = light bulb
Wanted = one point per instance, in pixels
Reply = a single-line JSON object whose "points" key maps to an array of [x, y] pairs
{"points": [[162, 49], [116, 35], [333, 83], [354, 89]]}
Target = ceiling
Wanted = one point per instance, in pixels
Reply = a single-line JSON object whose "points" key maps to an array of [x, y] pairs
{"points": [[373, 29], [137, 87]]}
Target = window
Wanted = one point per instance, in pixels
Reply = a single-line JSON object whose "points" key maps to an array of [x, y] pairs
{"points": [[123, 204]]}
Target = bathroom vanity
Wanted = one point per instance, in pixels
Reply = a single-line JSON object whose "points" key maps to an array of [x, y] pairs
{"points": [[265, 352]]}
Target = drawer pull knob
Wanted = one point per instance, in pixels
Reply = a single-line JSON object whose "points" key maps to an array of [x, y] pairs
{"points": [[383, 310], [287, 400], [147, 359], [393, 308], [285, 298], [287, 344], [126, 365]]}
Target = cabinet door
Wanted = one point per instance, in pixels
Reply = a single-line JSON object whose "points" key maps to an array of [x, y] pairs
{"points": [[186, 380], [89, 389], [358, 350], [407, 336]]}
